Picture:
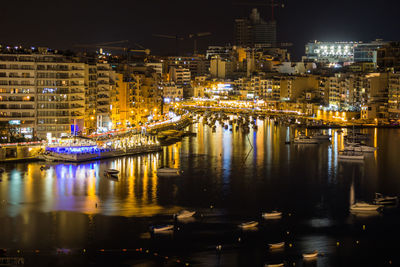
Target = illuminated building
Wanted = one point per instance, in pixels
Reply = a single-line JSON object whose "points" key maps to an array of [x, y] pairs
{"points": [[42, 93], [344, 52], [180, 76], [330, 52], [221, 51], [394, 95], [220, 68], [368, 52], [144, 94], [172, 92], [100, 97], [197, 65], [157, 66]]}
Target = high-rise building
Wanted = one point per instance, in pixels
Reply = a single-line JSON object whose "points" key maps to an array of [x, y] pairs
{"points": [[254, 31], [42, 94], [389, 55]]}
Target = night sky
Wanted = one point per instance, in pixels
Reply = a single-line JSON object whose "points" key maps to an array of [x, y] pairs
{"points": [[60, 24]]}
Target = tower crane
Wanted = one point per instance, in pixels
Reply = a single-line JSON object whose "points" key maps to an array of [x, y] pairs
{"points": [[125, 49], [178, 38]]}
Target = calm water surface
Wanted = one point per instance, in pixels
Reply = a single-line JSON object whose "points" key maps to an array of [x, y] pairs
{"points": [[228, 178]]}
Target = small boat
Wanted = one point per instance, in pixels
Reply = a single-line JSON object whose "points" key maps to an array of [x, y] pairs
{"points": [[44, 167], [385, 200], [357, 136], [272, 215], [275, 264], [311, 255], [363, 206], [248, 225], [350, 155], [359, 148], [276, 245], [168, 171], [111, 172], [184, 214], [322, 136], [305, 140], [162, 228]]}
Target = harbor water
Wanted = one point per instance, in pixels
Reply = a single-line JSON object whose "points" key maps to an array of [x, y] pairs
{"points": [[71, 214]]}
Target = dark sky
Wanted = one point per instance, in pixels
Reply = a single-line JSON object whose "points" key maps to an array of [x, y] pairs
{"points": [[60, 24]]}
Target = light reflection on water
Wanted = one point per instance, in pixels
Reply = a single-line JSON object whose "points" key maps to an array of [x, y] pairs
{"points": [[261, 154], [239, 174]]}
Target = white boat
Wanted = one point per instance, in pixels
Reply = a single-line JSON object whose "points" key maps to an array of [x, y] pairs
{"points": [[162, 228], [272, 215], [168, 171], [248, 225], [384, 200], [311, 255], [305, 140], [350, 155], [321, 136], [359, 148], [184, 214], [111, 172], [362, 206], [276, 245]]}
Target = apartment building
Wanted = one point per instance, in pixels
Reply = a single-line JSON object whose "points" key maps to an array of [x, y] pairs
{"points": [[100, 95], [42, 94], [180, 76], [394, 95], [172, 92]]}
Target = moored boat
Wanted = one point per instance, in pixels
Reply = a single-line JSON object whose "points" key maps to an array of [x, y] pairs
{"points": [[272, 215], [320, 136], [248, 225], [276, 245], [275, 264], [363, 206], [305, 140], [310, 255], [359, 148], [162, 228], [385, 200], [168, 171], [184, 214], [111, 172], [350, 155]]}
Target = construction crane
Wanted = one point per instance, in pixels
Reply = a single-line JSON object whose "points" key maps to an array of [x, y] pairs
{"points": [[126, 50], [178, 38], [194, 36]]}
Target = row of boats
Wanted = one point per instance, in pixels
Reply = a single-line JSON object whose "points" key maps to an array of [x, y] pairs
{"points": [[353, 149], [163, 171], [378, 203], [250, 225]]}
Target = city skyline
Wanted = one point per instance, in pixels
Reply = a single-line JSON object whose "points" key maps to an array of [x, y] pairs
{"points": [[62, 26]]}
